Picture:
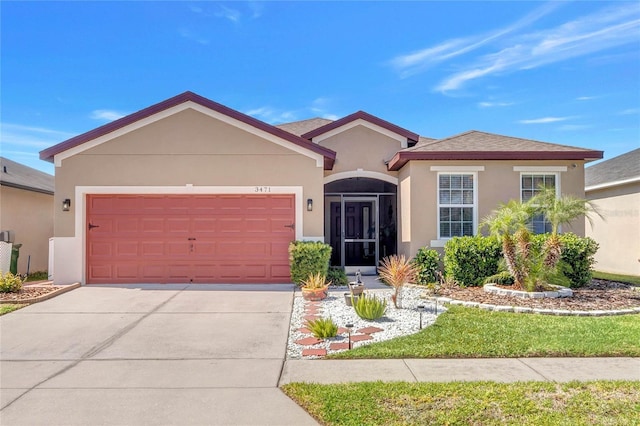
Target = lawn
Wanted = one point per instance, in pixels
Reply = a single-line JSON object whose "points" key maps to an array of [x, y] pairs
{"points": [[475, 333], [629, 279], [5, 309], [471, 403]]}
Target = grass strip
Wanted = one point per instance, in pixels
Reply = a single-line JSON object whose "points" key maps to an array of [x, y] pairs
{"points": [[6, 308], [470, 403], [628, 279], [475, 333]]}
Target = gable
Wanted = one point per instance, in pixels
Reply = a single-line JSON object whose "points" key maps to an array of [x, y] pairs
{"points": [[187, 100]]}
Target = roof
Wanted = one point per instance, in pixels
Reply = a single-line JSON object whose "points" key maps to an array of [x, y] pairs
{"points": [[618, 169], [19, 176], [49, 153], [361, 115], [475, 145], [303, 126]]}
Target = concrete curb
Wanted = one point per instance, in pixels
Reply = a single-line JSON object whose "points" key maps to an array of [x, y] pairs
{"points": [[61, 290]]}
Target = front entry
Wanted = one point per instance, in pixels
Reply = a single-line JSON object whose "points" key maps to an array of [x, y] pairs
{"points": [[360, 227]]}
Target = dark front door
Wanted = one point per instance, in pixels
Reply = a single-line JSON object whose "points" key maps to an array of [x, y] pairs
{"points": [[354, 233]]}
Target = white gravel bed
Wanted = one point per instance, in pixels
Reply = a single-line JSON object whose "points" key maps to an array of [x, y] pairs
{"points": [[395, 322]]}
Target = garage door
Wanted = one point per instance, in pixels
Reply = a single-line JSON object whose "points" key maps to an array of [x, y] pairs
{"points": [[189, 238]]}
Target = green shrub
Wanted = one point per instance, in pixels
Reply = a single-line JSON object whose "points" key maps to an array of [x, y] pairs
{"points": [[307, 258], [337, 276], [427, 263], [577, 257], [10, 283], [323, 328], [468, 260], [38, 276], [370, 307]]}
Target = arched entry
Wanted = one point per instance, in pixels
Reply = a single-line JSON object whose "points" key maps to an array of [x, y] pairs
{"points": [[360, 222]]}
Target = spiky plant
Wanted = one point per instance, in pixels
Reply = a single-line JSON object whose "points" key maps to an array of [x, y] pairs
{"points": [[397, 271], [315, 282], [370, 307], [323, 328]]}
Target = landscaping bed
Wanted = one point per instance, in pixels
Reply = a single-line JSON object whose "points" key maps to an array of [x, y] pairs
{"points": [[35, 292]]}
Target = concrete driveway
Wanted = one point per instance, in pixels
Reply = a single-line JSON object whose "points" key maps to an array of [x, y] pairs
{"points": [[149, 354]]}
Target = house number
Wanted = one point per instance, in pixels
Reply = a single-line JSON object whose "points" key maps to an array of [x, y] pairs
{"points": [[263, 189]]}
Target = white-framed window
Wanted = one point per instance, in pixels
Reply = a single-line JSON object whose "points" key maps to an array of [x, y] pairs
{"points": [[531, 184], [457, 204]]}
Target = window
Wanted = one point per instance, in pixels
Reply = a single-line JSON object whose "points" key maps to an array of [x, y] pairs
{"points": [[532, 184], [456, 204]]}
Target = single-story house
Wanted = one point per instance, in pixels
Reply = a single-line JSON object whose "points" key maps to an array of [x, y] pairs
{"points": [[189, 190], [26, 208], [614, 188]]}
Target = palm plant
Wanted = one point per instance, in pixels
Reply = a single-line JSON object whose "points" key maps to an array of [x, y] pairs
{"points": [[509, 224], [397, 271], [559, 211]]}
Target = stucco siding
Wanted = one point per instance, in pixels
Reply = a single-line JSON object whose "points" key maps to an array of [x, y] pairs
{"points": [[189, 148], [30, 215], [618, 232]]}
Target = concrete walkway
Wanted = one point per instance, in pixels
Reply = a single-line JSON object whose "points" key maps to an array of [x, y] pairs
{"points": [[149, 355], [448, 370]]}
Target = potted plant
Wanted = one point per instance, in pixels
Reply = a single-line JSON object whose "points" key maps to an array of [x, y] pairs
{"points": [[355, 290], [315, 287]]}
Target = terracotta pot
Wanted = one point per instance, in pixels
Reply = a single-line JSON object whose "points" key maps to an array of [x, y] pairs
{"points": [[314, 294], [356, 289]]}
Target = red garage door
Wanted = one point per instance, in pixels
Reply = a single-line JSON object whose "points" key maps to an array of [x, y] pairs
{"points": [[189, 238]]}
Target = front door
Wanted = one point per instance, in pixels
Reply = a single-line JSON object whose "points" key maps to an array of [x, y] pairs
{"points": [[354, 232]]}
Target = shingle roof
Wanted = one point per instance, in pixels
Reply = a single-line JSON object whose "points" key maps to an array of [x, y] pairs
{"points": [[49, 153], [301, 127], [620, 168], [361, 115], [475, 145], [18, 175]]}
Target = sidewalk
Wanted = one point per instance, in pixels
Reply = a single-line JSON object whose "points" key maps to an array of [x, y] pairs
{"points": [[448, 370]]}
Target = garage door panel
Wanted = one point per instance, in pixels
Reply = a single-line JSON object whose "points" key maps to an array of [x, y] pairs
{"points": [[186, 238]]}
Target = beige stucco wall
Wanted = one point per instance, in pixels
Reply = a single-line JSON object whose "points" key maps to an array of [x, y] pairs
{"points": [[189, 148], [498, 183], [618, 232], [30, 215], [361, 148]]}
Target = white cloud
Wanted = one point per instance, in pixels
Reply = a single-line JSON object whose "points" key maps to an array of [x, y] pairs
{"points": [[574, 127], [228, 13], [106, 114], [510, 49], [332, 117], [544, 120], [630, 111], [585, 98], [190, 35], [494, 104], [257, 8], [22, 136], [271, 115]]}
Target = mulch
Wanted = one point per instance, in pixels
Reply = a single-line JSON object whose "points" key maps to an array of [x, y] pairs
{"points": [[599, 295], [29, 292]]}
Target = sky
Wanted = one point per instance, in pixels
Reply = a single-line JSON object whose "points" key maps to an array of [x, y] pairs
{"points": [[560, 72]]}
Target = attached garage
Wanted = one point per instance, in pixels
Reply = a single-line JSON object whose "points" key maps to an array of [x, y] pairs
{"points": [[229, 238]]}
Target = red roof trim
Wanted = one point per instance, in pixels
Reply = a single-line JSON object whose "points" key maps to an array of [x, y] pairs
{"points": [[49, 153], [401, 158], [364, 116]]}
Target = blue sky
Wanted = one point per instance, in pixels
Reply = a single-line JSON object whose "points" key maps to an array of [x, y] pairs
{"points": [[562, 72]]}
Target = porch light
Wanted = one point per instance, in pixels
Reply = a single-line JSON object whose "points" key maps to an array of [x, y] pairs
{"points": [[349, 327], [309, 204], [66, 205], [421, 310]]}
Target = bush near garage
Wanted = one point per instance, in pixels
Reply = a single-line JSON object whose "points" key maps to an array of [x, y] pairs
{"points": [[427, 263], [308, 258], [10, 283]]}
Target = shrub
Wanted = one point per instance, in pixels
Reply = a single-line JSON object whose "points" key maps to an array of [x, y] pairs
{"points": [[323, 328], [576, 258], [370, 307], [468, 260], [10, 283], [503, 277], [307, 258], [427, 265], [337, 276]]}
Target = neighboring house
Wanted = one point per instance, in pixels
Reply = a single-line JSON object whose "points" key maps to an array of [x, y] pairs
{"points": [[189, 190], [26, 207], [614, 188]]}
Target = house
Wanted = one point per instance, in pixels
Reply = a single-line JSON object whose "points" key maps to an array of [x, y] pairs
{"points": [[614, 188], [189, 190], [26, 208]]}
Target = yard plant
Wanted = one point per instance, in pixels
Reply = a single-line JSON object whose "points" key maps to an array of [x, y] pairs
{"points": [[397, 271], [323, 328], [10, 283], [369, 307], [307, 258]]}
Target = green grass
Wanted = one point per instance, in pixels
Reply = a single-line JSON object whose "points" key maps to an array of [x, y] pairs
{"points": [[629, 279], [5, 309], [471, 403], [475, 333], [37, 276]]}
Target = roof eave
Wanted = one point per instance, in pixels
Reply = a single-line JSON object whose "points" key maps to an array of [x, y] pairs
{"points": [[411, 136], [402, 157]]}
